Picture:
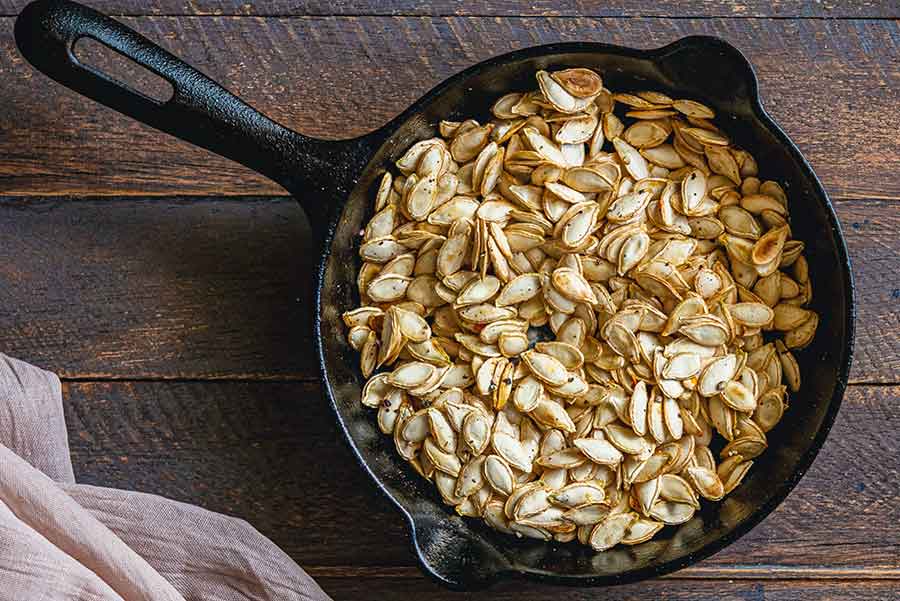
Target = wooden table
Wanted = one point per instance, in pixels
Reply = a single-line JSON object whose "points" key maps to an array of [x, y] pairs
{"points": [[170, 288]]}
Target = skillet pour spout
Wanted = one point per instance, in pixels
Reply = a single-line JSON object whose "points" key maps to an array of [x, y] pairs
{"points": [[335, 180]]}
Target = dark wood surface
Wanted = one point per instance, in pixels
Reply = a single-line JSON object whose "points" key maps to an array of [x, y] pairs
{"points": [[169, 288], [213, 288], [832, 84], [829, 9]]}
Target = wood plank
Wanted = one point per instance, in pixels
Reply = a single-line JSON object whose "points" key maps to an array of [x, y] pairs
{"points": [[220, 288], [575, 8], [158, 288], [831, 83], [271, 453], [391, 587]]}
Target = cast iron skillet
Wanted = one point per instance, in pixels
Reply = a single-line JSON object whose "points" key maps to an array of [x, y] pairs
{"points": [[333, 181]]}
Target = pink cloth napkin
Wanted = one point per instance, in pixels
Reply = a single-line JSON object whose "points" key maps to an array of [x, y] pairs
{"points": [[60, 540]]}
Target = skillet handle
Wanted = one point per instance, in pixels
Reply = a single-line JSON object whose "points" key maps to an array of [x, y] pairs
{"points": [[200, 111]]}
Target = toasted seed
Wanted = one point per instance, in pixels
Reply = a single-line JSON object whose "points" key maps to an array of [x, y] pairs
{"points": [[577, 130], [672, 513], [622, 341], [530, 531], [545, 148], [467, 145], [511, 344], [361, 316], [566, 353], [646, 493], [477, 291], [751, 315], [791, 370], [448, 463], [716, 374], [599, 451], [511, 450], [770, 246], [368, 355], [441, 431], [578, 494], [485, 313], [499, 475], [376, 390], [586, 515], [641, 530], [635, 164], [645, 134], [633, 251], [458, 375], [545, 368], [682, 366], [357, 336], [611, 531], [550, 519], [722, 162], [415, 428], [788, 317], [626, 440], [732, 473], [738, 397], [588, 179], [567, 458], [747, 447], [411, 375], [706, 137], [471, 477], [475, 431], [637, 408], [692, 108], [693, 191], [757, 203], [704, 330], [519, 289], [495, 518], [412, 326], [706, 482], [581, 83], [577, 223], [676, 489], [572, 285], [802, 335], [446, 485], [557, 95], [552, 415]]}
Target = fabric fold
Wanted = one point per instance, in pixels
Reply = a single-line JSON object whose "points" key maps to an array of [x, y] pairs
{"points": [[65, 541]]}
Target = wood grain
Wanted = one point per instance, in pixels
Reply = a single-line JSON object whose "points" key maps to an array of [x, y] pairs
{"points": [[390, 587], [271, 453], [220, 288], [155, 267], [158, 288], [581, 8], [832, 84]]}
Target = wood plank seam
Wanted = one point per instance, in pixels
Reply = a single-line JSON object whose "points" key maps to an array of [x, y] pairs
{"points": [[735, 572], [443, 15], [795, 59]]}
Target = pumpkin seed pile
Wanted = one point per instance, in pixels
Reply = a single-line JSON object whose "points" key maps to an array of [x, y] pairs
{"points": [[644, 240]]}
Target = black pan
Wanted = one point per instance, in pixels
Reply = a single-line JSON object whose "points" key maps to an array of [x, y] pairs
{"points": [[333, 181]]}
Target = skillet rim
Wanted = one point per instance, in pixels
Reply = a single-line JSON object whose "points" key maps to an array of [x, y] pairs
{"points": [[706, 43]]}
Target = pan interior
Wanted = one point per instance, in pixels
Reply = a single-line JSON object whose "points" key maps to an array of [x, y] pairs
{"points": [[467, 546]]}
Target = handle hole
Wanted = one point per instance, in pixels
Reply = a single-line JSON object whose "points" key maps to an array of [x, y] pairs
{"points": [[110, 63]]}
